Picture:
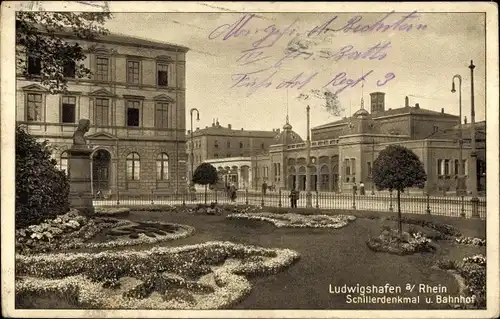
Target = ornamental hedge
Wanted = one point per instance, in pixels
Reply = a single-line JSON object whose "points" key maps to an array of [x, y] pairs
{"points": [[42, 189]]}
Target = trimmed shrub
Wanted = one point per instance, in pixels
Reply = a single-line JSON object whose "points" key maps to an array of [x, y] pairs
{"points": [[42, 189]]}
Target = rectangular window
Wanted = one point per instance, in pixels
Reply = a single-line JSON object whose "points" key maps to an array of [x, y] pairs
{"points": [[446, 167], [369, 169], [69, 69], [161, 115], [34, 107], [102, 69], [34, 65], [102, 112], [133, 69], [456, 168], [440, 167], [68, 109], [133, 113], [162, 74]]}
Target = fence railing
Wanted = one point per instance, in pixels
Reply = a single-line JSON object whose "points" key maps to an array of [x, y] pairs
{"points": [[414, 204]]}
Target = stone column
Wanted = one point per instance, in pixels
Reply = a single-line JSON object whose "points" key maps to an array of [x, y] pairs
{"points": [[240, 184], [80, 194], [250, 180], [113, 177]]}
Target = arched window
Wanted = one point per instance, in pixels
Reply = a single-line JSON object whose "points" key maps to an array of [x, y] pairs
{"points": [[162, 167], [241, 144], [64, 162], [216, 144], [133, 167], [228, 144]]}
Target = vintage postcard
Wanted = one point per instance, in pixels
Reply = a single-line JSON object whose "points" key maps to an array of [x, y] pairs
{"points": [[249, 159]]}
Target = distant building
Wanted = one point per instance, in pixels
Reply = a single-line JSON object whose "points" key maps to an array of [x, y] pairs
{"points": [[136, 105], [343, 152], [235, 147]]}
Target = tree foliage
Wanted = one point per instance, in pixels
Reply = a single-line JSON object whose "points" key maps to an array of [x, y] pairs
{"points": [[42, 189], [397, 168], [205, 174], [328, 100], [37, 36]]}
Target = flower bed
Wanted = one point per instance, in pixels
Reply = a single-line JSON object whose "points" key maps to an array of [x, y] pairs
{"points": [[474, 241], [473, 271], [205, 276], [391, 242], [112, 211], [72, 231], [298, 220], [445, 229]]}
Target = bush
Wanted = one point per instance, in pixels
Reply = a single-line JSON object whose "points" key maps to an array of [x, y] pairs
{"points": [[42, 189]]}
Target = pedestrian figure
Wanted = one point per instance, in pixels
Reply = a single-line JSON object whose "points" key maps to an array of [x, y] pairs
{"points": [[232, 192], [294, 196], [354, 188], [264, 188], [361, 188]]}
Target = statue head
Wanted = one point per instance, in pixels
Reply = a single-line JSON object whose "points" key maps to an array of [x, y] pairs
{"points": [[83, 125], [78, 136]]}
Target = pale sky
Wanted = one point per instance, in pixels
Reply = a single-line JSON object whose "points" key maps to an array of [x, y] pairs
{"points": [[419, 63]]}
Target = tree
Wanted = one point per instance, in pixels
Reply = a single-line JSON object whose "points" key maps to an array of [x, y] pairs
{"points": [[205, 174], [329, 100], [397, 168], [42, 189], [43, 54]]}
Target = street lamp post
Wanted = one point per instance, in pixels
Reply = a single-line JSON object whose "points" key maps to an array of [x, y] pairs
{"points": [[473, 154], [373, 160], [192, 141], [308, 166], [460, 177]]}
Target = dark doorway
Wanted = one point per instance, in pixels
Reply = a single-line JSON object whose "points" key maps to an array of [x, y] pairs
{"points": [[101, 171]]}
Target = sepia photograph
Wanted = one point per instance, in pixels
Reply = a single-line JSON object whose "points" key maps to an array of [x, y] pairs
{"points": [[259, 159]]}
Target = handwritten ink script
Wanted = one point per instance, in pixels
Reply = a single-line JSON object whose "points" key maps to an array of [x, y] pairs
{"points": [[262, 68]]}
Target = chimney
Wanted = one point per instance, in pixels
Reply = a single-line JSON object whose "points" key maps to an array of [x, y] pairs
{"points": [[189, 131], [213, 122], [407, 102], [206, 126], [242, 129], [417, 106], [229, 126], [278, 130], [465, 119], [197, 128], [377, 102], [442, 110]]}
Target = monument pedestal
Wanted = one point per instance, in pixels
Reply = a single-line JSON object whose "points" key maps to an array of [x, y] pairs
{"points": [[80, 191]]}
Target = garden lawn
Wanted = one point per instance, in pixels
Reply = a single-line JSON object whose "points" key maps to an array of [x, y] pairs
{"points": [[328, 256]]}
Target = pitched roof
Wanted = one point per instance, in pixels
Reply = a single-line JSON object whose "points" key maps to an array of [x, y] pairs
{"points": [[453, 133], [399, 111], [122, 39], [224, 131]]}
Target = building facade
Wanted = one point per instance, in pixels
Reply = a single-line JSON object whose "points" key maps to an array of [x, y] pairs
{"points": [[343, 152], [135, 101], [234, 146]]}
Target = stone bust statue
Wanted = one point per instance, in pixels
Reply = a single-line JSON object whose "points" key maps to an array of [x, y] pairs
{"points": [[78, 136]]}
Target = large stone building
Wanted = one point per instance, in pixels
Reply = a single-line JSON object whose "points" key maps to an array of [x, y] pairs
{"points": [[135, 101], [343, 152], [231, 145]]}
